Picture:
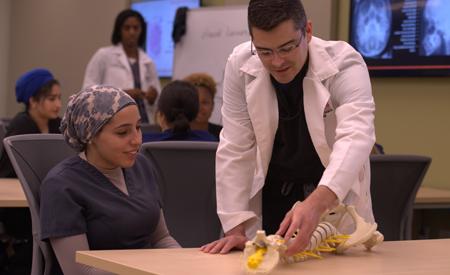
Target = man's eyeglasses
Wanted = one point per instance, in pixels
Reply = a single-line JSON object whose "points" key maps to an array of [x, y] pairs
{"points": [[282, 52]]}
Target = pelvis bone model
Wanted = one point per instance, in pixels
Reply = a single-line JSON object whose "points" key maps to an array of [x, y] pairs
{"points": [[263, 253]]}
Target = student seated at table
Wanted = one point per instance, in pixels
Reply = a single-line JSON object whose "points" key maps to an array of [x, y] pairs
{"points": [[40, 92], [206, 88], [106, 197], [177, 107]]}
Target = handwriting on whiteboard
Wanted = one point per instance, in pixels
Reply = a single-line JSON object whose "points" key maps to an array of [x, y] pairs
{"points": [[221, 32]]}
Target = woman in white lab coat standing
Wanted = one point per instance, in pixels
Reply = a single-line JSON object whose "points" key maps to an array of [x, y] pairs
{"points": [[125, 65]]}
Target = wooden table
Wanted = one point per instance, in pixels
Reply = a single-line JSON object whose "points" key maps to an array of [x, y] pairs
{"points": [[11, 193], [402, 257], [430, 197]]}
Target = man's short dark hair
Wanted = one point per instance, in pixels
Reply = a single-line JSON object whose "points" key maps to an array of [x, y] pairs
{"points": [[268, 14], [116, 36]]}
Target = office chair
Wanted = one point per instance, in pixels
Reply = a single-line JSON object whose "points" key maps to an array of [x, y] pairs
{"points": [[32, 156], [186, 177], [395, 180], [150, 128], [2, 135], [6, 120]]}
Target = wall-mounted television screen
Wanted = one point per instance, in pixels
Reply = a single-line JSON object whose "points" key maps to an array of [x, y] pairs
{"points": [[402, 37], [159, 15]]}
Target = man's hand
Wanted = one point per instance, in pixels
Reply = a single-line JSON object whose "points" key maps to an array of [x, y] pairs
{"points": [[235, 238], [135, 93], [151, 95], [305, 217]]}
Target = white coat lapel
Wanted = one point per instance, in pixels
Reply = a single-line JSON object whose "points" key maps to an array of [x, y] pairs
{"points": [[144, 68], [316, 97], [262, 108], [122, 57]]}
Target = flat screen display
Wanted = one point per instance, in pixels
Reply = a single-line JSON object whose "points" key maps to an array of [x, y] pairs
{"points": [[159, 15], [402, 37]]}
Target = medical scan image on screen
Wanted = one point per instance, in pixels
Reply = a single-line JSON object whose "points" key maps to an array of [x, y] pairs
{"points": [[372, 27], [159, 16], [436, 28]]}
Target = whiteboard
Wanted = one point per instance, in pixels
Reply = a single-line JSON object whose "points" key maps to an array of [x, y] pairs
{"points": [[211, 35]]}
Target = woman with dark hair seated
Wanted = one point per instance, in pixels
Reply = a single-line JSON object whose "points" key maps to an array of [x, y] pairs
{"points": [[206, 88], [177, 107], [40, 92]]}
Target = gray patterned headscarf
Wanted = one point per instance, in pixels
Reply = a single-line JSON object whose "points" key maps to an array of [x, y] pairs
{"points": [[90, 109]]}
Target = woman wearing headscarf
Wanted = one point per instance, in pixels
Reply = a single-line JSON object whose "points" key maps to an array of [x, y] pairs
{"points": [[125, 64], [178, 106], [40, 92], [106, 197]]}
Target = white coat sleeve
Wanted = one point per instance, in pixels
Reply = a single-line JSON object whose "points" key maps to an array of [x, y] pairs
{"points": [[95, 69], [355, 131], [236, 154]]}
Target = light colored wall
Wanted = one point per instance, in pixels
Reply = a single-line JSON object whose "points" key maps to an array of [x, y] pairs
{"points": [[60, 35], [412, 116], [5, 10]]}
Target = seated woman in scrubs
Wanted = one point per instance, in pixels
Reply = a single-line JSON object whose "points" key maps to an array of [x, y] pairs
{"points": [[178, 106], [106, 197]]}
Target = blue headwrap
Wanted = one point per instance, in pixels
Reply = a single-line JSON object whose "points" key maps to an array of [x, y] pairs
{"points": [[89, 110], [30, 83]]}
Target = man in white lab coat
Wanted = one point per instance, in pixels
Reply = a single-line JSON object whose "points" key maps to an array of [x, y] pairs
{"points": [[298, 117]]}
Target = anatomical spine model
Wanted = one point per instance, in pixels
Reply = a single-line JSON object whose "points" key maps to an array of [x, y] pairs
{"points": [[263, 253]]}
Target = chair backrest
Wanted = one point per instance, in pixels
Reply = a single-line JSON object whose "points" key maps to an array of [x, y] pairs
{"points": [[186, 178], [395, 180], [6, 120], [32, 156], [2, 135], [150, 128]]}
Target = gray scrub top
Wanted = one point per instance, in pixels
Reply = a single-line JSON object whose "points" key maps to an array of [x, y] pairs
{"points": [[76, 198]]}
